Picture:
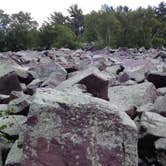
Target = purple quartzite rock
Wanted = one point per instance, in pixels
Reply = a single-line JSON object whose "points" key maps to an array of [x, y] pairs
{"points": [[9, 83], [158, 79], [65, 129], [95, 81]]}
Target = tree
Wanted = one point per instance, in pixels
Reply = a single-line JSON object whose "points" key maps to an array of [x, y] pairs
{"points": [[76, 19], [19, 31], [161, 11], [57, 18], [4, 23], [57, 36]]}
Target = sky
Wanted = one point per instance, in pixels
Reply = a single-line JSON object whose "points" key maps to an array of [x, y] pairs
{"points": [[41, 9]]}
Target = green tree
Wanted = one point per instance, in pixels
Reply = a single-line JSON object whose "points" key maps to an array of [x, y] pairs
{"points": [[57, 36], [76, 19], [19, 31]]}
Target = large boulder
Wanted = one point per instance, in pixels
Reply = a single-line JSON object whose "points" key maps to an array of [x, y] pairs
{"points": [[69, 129], [127, 97], [95, 81]]}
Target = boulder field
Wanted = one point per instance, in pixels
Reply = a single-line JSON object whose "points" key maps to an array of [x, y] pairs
{"points": [[65, 107]]}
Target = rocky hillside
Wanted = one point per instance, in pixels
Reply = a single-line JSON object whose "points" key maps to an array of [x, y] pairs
{"points": [[83, 108]]}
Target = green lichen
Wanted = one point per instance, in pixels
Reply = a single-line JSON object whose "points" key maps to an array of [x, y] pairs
{"points": [[6, 113]]}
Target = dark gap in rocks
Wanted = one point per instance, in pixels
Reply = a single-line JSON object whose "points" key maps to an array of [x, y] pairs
{"points": [[4, 155], [147, 151], [70, 70], [121, 69], [27, 80], [24, 112]]}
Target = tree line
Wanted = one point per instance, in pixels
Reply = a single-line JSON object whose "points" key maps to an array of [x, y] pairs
{"points": [[113, 27]]}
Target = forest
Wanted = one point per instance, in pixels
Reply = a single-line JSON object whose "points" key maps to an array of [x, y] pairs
{"points": [[108, 27]]}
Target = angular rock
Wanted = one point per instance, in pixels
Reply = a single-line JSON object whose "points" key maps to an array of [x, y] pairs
{"points": [[153, 124], [15, 154], [127, 97], [162, 91], [5, 146], [31, 88], [20, 105], [160, 105], [158, 79], [69, 129], [54, 79], [43, 70], [95, 81], [9, 83], [149, 107], [12, 124], [160, 144]]}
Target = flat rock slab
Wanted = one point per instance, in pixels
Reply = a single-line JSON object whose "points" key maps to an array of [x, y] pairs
{"points": [[66, 129], [127, 97]]}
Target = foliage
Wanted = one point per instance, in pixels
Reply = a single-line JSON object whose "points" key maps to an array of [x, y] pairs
{"points": [[57, 36], [113, 27]]}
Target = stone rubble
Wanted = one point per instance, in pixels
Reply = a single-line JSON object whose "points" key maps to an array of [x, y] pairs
{"points": [[65, 107]]}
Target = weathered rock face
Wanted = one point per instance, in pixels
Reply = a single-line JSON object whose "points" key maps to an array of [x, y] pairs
{"points": [[67, 129], [43, 70], [127, 97], [153, 124], [95, 81]]}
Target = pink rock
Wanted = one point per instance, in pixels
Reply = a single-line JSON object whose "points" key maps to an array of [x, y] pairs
{"points": [[66, 129]]}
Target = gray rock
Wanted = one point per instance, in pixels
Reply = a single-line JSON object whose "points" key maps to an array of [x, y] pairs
{"points": [[153, 124], [69, 129], [20, 105], [12, 124], [127, 97], [15, 154], [162, 91], [160, 105], [160, 144], [31, 88]]}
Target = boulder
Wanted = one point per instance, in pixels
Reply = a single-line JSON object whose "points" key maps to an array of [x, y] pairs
{"points": [[153, 124], [43, 70], [160, 105], [15, 154], [158, 79], [31, 88], [12, 124], [127, 97], [20, 105], [160, 146], [95, 81], [69, 129], [54, 79], [162, 91], [9, 83]]}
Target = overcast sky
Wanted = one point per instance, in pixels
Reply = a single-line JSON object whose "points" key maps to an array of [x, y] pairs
{"points": [[41, 9]]}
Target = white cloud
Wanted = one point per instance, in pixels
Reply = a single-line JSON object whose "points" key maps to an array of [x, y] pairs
{"points": [[41, 9]]}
